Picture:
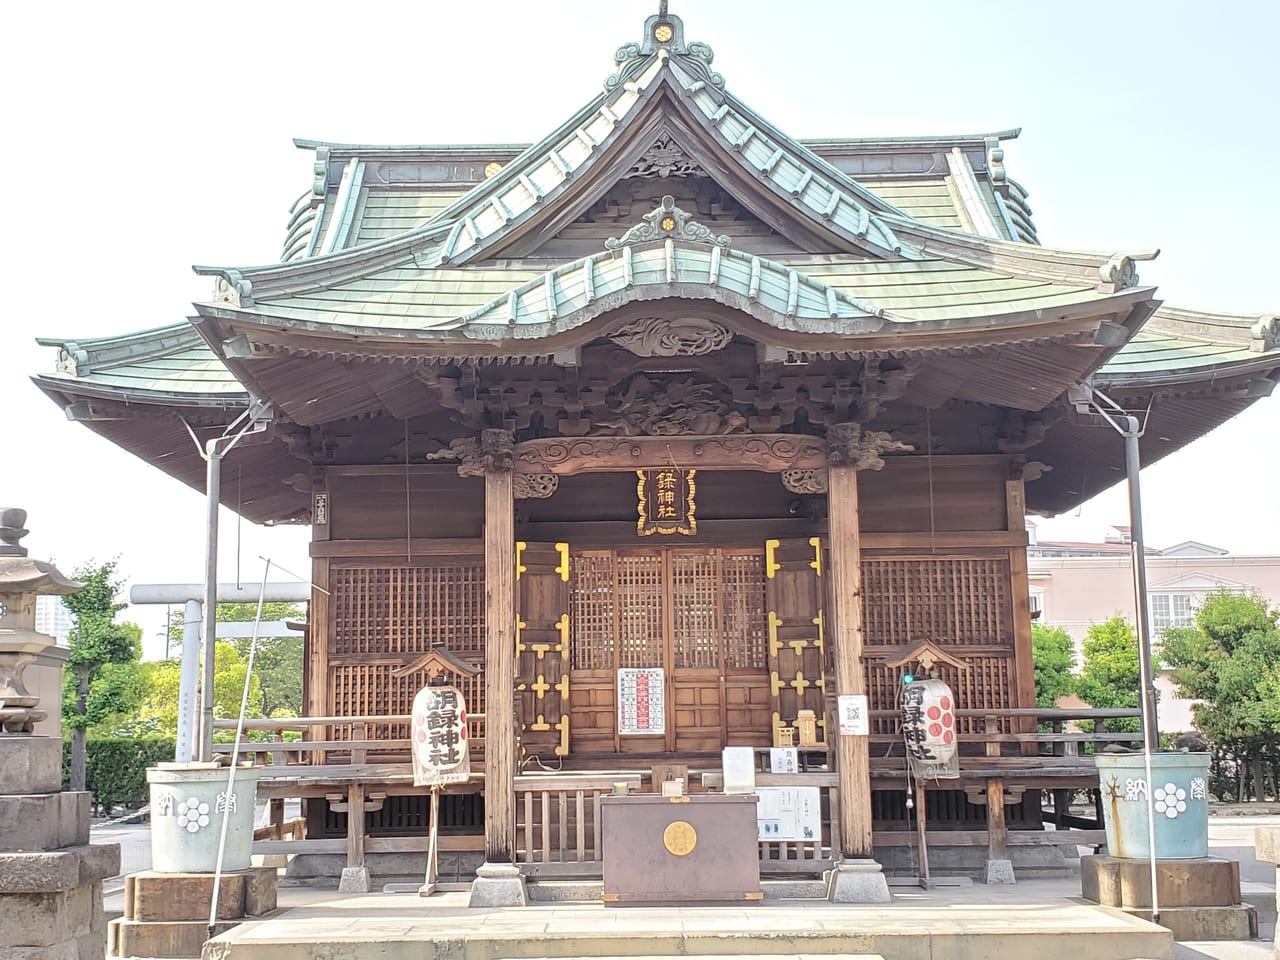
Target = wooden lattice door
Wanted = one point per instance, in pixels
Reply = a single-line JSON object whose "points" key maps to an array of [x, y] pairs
{"points": [[696, 613], [794, 593], [542, 646]]}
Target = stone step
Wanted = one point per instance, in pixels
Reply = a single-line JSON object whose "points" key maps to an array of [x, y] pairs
{"points": [[441, 927]]}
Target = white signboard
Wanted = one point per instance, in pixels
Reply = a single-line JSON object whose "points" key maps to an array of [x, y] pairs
{"points": [[855, 718], [739, 766], [784, 760], [641, 700], [789, 813]]}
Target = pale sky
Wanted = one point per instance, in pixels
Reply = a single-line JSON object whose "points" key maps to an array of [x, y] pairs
{"points": [[142, 138]]}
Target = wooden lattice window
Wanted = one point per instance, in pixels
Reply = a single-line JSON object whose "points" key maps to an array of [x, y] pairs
{"points": [[951, 600], [384, 617], [407, 609]]}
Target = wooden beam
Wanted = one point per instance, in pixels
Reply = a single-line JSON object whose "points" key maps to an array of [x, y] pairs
{"points": [[390, 549], [852, 760], [769, 453], [499, 664], [1019, 590]]}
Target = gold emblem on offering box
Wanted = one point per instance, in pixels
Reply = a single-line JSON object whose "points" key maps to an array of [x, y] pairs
{"points": [[680, 838], [666, 502]]}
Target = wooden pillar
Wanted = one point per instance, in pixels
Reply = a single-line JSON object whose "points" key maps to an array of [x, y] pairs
{"points": [[499, 648], [852, 753], [997, 831], [320, 619], [355, 825]]}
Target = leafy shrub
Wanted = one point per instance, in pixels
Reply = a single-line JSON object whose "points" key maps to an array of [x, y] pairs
{"points": [[116, 768]]}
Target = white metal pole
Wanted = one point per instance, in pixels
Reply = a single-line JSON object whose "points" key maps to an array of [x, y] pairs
{"points": [[1150, 733], [235, 754], [213, 479]]}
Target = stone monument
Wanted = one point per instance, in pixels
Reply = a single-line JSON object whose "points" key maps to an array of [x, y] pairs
{"points": [[50, 876]]}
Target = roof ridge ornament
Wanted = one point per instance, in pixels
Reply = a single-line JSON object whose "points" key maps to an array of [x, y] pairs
{"points": [[667, 221], [663, 36]]}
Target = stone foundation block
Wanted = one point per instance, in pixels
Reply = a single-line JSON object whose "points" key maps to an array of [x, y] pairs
{"points": [[999, 872], [857, 881], [98, 861], [499, 885], [30, 765], [58, 869], [1206, 923], [164, 897], [176, 897], [260, 890], [355, 880], [186, 938], [67, 950], [45, 919], [49, 821], [1205, 882]]}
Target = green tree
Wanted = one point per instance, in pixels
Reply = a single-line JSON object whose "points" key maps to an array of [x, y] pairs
{"points": [[158, 711], [1110, 676], [1228, 663], [96, 684], [1052, 652], [277, 665]]}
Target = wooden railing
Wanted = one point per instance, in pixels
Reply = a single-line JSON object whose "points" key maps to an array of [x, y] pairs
{"points": [[558, 822], [558, 815], [325, 740]]}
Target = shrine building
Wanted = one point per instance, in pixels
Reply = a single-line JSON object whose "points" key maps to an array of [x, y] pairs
{"points": [[675, 429]]}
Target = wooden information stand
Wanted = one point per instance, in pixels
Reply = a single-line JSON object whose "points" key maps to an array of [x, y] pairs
{"points": [[700, 848]]}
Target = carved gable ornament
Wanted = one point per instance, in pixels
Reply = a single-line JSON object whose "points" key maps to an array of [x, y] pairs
{"points": [[664, 158], [667, 221], [664, 337]]}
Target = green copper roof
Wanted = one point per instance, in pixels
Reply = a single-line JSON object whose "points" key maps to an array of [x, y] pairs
{"points": [[166, 362]]}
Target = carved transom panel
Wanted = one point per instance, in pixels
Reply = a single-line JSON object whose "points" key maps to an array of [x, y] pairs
{"points": [[652, 405], [665, 337]]}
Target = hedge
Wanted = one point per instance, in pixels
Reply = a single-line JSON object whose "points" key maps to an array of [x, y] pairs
{"points": [[116, 768]]}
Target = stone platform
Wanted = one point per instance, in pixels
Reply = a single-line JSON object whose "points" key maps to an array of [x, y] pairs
{"points": [[1199, 899], [1003, 923]]}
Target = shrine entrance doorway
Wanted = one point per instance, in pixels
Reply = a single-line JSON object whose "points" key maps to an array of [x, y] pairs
{"points": [[699, 615]]}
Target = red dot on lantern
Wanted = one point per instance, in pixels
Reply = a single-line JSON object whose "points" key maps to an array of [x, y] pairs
{"points": [[462, 734], [945, 703], [948, 737], [934, 713], [419, 720], [935, 730], [421, 736], [948, 719]]}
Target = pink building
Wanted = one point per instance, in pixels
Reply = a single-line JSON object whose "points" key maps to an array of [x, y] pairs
{"points": [[1075, 585]]}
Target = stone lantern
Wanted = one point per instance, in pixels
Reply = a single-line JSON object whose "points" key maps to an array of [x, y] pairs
{"points": [[50, 875], [21, 581]]}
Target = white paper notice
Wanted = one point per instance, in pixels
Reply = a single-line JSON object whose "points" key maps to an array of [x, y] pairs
{"points": [[641, 700], [789, 813], [784, 760], [855, 719]]}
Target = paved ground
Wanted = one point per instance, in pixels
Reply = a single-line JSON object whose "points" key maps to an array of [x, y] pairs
{"points": [[1230, 836]]}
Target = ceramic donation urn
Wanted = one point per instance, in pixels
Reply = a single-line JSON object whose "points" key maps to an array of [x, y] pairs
{"points": [[1177, 795]]}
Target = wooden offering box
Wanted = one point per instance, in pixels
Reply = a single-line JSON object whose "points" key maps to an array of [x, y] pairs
{"points": [[700, 848]]}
